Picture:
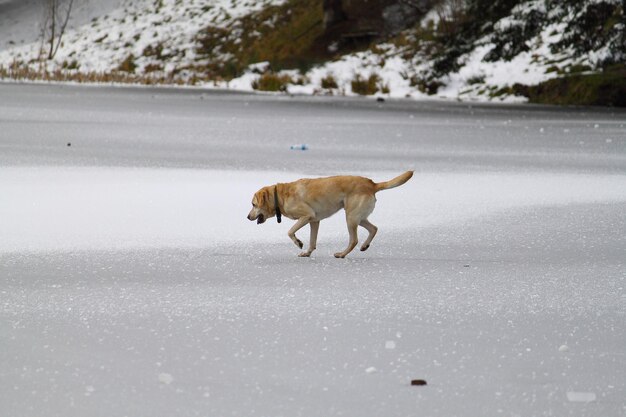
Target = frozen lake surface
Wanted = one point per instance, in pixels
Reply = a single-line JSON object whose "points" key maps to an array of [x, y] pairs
{"points": [[131, 283]]}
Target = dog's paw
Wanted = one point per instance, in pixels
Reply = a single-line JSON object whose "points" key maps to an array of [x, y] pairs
{"points": [[340, 255], [364, 248], [304, 254]]}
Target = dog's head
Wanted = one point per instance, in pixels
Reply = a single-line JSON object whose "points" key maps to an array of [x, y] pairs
{"points": [[261, 206]]}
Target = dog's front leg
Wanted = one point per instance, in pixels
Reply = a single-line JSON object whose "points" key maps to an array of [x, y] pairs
{"points": [[315, 226], [302, 221]]}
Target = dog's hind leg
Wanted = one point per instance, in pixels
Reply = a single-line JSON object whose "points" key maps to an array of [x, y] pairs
{"points": [[302, 221], [352, 225], [315, 226], [372, 232]]}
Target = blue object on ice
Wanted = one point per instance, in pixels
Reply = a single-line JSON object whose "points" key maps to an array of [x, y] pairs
{"points": [[301, 147]]}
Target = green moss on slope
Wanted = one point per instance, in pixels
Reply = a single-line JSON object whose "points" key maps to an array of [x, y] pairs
{"points": [[282, 35], [603, 89]]}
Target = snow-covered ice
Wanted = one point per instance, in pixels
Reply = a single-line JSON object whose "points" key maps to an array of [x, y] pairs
{"points": [[80, 208], [131, 282], [585, 397]]}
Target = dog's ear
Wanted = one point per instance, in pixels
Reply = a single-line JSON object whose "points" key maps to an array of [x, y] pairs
{"points": [[263, 197]]}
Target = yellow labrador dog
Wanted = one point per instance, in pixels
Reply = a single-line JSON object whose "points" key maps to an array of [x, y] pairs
{"points": [[310, 200]]}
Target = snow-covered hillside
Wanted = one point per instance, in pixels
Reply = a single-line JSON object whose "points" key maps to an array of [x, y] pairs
{"points": [[20, 20], [152, 31], [159, 40]]}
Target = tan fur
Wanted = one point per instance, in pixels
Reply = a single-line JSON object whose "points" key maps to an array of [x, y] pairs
{"points": [[311, 200]]}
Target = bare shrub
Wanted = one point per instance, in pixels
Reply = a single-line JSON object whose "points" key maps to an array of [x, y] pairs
{"points": [[56, 16], [451, 14]]}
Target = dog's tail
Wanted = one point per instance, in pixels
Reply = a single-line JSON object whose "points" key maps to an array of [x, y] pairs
{"points": [[396, 182]]}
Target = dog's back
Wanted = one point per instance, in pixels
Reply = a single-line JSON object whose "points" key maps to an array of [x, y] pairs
{"points": [[337, 187]]}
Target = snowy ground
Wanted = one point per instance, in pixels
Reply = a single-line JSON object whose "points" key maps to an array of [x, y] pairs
{"points": [[131, 283]]}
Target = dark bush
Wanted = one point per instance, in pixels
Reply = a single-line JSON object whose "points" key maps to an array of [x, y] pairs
{"points": [[329, 82], [476, 79], [511, 41], [594, 28], [365, 87], [128, 64], [272, 82], [428, 86]]}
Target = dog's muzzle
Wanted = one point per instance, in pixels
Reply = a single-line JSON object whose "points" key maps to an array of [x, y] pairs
{"points": [[259, 219]]}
